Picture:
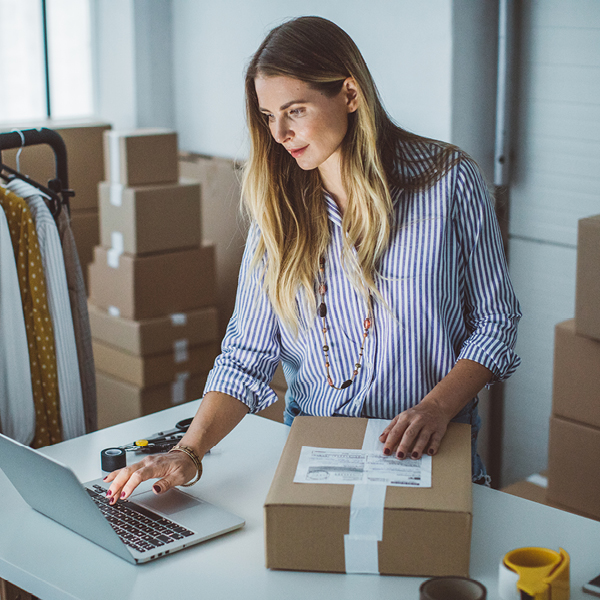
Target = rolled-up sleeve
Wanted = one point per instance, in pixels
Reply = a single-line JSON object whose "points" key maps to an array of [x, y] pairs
{"points": [[251, 346], [492, 310]]}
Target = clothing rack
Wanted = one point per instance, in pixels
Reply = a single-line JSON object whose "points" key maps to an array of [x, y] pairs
{"points": [[58, 188]]}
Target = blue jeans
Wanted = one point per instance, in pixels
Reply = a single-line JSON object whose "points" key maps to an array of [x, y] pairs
{"points": [[469, 414]]}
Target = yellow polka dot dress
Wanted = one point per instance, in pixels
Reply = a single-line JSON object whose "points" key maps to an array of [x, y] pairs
{"points": [[38, 325]]}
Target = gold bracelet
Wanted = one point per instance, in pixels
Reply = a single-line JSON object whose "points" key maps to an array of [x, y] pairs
{"points": [[195, 459]]}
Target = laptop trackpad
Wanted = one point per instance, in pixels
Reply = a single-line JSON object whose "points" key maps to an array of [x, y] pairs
{"points": [[167, 503]]}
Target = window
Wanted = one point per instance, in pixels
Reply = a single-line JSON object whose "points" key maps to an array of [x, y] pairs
{"points": [[45, 59]]}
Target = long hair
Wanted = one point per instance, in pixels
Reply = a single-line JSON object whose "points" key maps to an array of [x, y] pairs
{"points": [[287, 203]]}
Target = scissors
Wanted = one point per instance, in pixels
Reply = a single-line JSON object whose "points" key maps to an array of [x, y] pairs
{"points": [[161, 441]]}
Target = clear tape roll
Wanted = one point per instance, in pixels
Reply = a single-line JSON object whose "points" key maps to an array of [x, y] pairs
{"points": [[507, 583]]}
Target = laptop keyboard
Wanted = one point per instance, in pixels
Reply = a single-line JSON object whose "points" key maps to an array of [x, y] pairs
{"points": [[137, 526]]}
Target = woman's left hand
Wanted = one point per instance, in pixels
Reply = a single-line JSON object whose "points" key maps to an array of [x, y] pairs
{"points": [[416, 431], [421, 428]]}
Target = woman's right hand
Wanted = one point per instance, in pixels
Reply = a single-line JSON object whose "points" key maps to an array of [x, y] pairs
{"points": [[217, 416], [171, 469]]}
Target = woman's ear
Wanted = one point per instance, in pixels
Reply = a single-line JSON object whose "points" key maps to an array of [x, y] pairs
{"points": [[351, 92]]}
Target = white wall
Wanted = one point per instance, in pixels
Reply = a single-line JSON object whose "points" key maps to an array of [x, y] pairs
{"points": [[474, 66], [133, 63], [407, 45], [154, 59], [114, 61], [556, 182]]}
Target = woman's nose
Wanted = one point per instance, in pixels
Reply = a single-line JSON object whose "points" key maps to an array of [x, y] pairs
{"points": [[281, 131]]}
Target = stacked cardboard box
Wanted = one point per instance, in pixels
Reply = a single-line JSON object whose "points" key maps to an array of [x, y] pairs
{"points": [[221, 220], [152, 306], [85, 156], [574, 448], [220, 215]]}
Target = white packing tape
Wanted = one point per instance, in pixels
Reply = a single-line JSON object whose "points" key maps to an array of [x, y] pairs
{"points": [[116, 238], [178, 319], [180, 350], [366, 514], [114, 162], [112, 258], [538, 479], [507, 583], [116, 194], [374, 429], [113, 254], [366, 528], [178, 388]]}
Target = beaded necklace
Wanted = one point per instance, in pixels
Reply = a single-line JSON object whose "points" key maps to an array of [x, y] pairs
{"points": [[322, 310]]}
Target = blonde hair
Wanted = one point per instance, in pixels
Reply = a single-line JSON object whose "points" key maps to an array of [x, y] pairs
{"points": [[287, 203]]}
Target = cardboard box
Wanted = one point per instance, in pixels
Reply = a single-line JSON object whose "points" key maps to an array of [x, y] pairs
{"points": [[147, 371], [528, 489], [426, 532], [155, 285], [587, 296], [85, 155], [119, 401], [534, 488], [86, 231], [154, 336], [576, 378], [150, 218], [141, 156], [221, 221], [573, 459]]}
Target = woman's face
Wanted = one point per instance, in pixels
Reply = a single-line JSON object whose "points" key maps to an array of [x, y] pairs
{"points": [[308, 124]]}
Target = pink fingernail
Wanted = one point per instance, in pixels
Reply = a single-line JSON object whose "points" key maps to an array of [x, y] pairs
{"points": [[400, 455], [108, 493], [105, 478], [156, 488], [414, 455], [430, 451], [122, 494], [387, 451]]}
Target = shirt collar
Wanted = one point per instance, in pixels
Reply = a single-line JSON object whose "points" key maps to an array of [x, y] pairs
{"points": [[333, 211]]}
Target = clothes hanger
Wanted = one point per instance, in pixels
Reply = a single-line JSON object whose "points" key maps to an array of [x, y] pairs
{"points": [[53, 200]]}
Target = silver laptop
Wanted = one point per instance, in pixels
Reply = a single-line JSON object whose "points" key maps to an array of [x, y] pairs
{"points": [[142, 528]]}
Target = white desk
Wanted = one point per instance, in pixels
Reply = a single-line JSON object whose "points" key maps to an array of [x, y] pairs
{"points": [[51, 562]]}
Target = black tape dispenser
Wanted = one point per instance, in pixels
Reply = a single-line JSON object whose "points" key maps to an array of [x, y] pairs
{"points": [[162, 441]]}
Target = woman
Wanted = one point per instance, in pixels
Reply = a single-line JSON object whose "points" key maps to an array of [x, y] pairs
{"points": [[373, 268]]}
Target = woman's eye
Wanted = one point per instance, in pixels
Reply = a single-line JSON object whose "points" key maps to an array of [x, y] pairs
{"points": [[295, 112]]}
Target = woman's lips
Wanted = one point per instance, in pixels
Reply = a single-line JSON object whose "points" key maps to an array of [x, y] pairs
{"points": [[296, 152]]}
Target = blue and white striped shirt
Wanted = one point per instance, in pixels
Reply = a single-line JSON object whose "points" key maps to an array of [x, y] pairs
{"points": [[445, 279]]}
